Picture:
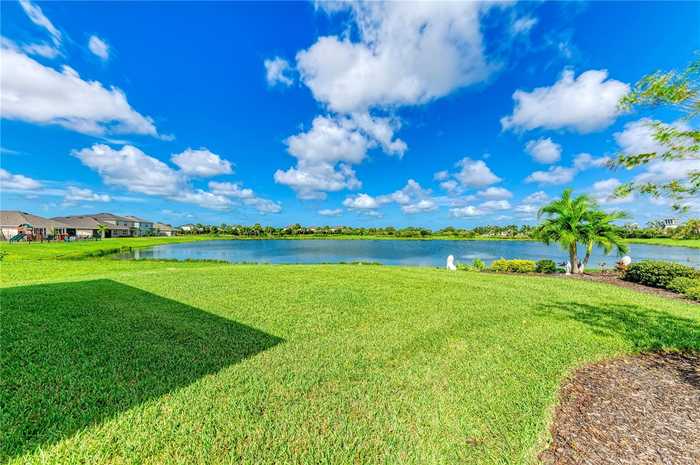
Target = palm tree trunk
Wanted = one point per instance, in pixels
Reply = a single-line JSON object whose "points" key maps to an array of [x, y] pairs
{"points": [[589, 251], [573, 258]]}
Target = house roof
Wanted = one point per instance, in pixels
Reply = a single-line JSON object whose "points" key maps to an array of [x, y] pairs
{"points": [[110, 217], [163, 227], [14, 218], [136, 218], [87, 222]]}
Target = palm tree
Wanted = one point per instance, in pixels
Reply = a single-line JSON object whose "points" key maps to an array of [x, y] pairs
{"points": [[566, 223], [601, 232], [102, 229]]}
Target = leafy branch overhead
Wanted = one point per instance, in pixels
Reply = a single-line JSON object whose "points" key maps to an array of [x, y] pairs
{"points": [[678, 141]]}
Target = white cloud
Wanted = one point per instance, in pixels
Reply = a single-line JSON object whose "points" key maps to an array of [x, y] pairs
{"points": [[9, 181], [99, 47], [326, 152], [637, 137], [135, 171], [544, 150], [43, 50], [77, 194], [246, 195], [495, 193], [604, 192], [554, 175], [407, 54], [421, 206], [584, 161], [331, 212], [462, 212], [441, 175], [495, 205], [361, 202], [451, 186], [39, 94], [277, 71], [530, 205], [201, 163], [585, 104], [662, 171], [537, 198], [475, 173], [523, 25], [37, 16]]}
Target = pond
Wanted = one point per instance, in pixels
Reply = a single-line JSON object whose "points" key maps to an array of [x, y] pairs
{"points": [[393, 252]]}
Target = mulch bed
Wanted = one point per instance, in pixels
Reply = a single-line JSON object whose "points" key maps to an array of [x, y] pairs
{"points": [[636, 410], [616, 281]]}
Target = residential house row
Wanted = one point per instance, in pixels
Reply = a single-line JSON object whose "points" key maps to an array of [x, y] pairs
{"points": [[17, 225]]}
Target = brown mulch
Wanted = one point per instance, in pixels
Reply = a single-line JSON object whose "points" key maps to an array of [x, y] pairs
{"points": [[616, 281], [636, 410]]}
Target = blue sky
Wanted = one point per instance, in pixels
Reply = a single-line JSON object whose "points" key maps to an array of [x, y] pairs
{"points": [[429, 114]]}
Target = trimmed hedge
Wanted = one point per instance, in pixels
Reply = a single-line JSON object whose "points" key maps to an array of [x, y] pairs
{"points": [[681, 284], [546, 266], [656, 273], [513, 266], [693, 293]]}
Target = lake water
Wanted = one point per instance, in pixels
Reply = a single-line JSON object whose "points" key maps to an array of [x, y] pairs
{"points": [[393, 252]]}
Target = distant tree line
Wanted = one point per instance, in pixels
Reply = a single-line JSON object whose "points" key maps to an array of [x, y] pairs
{"points": [[655, 229]]}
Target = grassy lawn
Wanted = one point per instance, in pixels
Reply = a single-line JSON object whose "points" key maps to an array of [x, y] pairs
{"points": [[116, 362], [692, 243]]}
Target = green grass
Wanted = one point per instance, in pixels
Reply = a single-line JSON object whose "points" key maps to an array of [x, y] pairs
{"points": [[119, 362], [692, 243]]}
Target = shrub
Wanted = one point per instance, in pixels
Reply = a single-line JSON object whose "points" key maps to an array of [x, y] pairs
{"points": [[546, 266], [681, 284], [464, 267], [513, 266], [478, 264], [693, 293], [656, 273]]}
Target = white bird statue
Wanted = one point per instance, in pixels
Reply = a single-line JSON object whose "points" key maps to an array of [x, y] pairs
{"points": [[626, 260], [568, 267], [451, 263]]}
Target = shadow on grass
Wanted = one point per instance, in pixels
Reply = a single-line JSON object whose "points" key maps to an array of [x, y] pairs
{"points": [[74, 354], [646, 329]]}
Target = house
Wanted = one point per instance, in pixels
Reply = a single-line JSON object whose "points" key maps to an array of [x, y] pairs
{"points": [[188, 227], [119, 226], [82, 226], [670, 223], [14, 222], [163, 229], [143, 227]]}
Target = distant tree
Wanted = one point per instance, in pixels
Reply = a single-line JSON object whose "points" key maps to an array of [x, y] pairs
{"points": [[680, 91], [102, 230]]}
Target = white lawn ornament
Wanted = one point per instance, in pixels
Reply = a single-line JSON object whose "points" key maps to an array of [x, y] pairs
{"points": [[626, 260], [451, 263], [568, 267]]}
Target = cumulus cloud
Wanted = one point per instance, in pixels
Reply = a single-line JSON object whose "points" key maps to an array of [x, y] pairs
{"points": [[471, 174], [637, 137], [245, 195], [441, 175], [278, 71], [98, 47], [325, 154], [331, 212], [412, 198], [465, 211], [662, 171], [584, 161], [495, 193], [136, 171], [529, 206], [544, 150], [495, 205], [604, 192], [361, 202], [201, 163], [39, 94], [9, 181], [421, 206], [406, 54], [584, 104], [77, 194], [554, 175]]}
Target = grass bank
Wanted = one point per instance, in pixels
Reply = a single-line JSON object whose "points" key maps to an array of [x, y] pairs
{"points": [[691, 243], [108, 361]]}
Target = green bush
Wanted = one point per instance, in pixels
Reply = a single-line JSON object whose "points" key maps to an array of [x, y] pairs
{"points": [[478, 264], [693, 293], [546, 266], [681, 284], [464, 267], [656, 273], [513, 266]]}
